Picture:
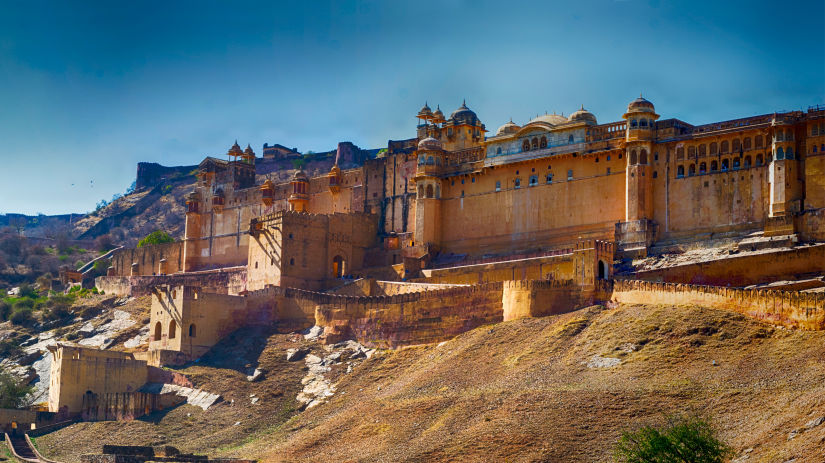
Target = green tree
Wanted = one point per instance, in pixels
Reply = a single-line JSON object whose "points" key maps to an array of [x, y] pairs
{"points": [[13, 393], [156, 237], [687, 439]]}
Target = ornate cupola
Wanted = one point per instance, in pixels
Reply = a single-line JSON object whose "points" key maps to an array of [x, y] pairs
{"points": [[430, 157], [334, 177], [299, 199], [641, 119], [425, 114], [267, 192], [218, 201], [193, 203], [235, 151], [248, 155], [438, 116]]}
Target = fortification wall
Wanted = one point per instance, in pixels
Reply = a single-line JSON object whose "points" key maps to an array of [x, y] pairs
{"points": [[786, 308], [561, 267], [231, 280], [526, 298], [811, 224], [125, 406], [77, 371], [744, 270], [148, 259]]}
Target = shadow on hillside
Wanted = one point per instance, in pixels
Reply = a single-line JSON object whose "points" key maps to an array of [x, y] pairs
{"points": [[239, 351]]}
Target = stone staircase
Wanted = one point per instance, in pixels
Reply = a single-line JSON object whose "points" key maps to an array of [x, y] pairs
{"points": [[23, 450]]}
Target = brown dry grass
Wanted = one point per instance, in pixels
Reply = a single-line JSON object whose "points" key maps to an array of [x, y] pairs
{"points": [[520, 391]]}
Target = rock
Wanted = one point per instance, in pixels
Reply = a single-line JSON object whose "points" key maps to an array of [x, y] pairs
{"points": [[332, 358], [254, 400], [312, 334], [29, 358], [792, 434], [257, 375], [628, 347], [196, 397], [294, 355], [597, 361], [815, 422]]}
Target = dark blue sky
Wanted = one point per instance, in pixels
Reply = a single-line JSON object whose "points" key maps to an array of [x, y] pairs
{"points": [[89, 89]]}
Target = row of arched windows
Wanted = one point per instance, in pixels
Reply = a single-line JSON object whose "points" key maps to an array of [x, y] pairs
{"points": [[817, 131], [429, 191], [429, 160], [534, 144], [734, 146], [821, 149], [641, 123], [786, 135], [173, 330], [715, 166], [641, 157]]}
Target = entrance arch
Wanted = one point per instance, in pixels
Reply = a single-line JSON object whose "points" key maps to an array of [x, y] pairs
{"points": [[158, 331], [172, 329], [338, 266], [602, 270]]}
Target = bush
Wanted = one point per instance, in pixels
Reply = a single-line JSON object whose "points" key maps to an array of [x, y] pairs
{"points": [[5, 310], [28, 291], [689, 439], [23, 303], [13, 393], [156, 237], [22, 318]]}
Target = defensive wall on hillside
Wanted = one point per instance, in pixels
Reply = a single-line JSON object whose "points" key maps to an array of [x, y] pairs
{"points": [[228, 280], [787, 308], [744, 270]]}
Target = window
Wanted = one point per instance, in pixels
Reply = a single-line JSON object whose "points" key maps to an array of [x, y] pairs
{"points": [[192, 331], [173, 328], [462, 181], [737, 146], [703, 149], [780, 153], [473, 180], [714, 148], [518, 183], [570, 174], [759, 160], [633, 158], [655, 174], [608, 171], [736, 163], [525, 146], [534, 180], [746, 143], [498, 186], [655, 156], [543, 142], [680, 171], [608, 158], [725, 147], [420, 191], [498, 150], [757, 141], [747, 161], [643, 123], [535, 143], [462, 193], [692, 170], [643, 157], [725, 165], [680, 153], [430, 161], [570, 139], [421, 160], [714, 166], [789, 153], [633, 123], [158, 330], [813, 149], [549, 178], [703, 168], [292, 261], [691, 152]]}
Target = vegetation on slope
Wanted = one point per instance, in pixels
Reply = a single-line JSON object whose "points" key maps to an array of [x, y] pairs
{"points": [[526, 390]]}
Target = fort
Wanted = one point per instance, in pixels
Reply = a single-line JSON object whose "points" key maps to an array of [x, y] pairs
{"points": [[456, 228]]}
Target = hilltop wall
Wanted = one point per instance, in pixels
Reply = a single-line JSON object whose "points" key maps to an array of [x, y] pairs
{"points": [[230, 280], [786, 308]]}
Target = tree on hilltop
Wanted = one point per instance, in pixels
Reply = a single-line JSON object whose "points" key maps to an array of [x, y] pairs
{"points": [[687, 439], [13, 393], [156, 237]]}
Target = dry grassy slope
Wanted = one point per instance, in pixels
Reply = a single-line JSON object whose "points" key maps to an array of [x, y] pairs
{"points": [[516, 391]]}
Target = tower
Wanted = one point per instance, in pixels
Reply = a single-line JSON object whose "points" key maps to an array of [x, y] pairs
{"points": [[428, 187], [637, 232], [299, 198], [782, 159], [192, 230]]}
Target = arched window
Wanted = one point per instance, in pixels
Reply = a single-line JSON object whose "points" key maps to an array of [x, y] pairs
{"points": [[430, 161], [737, 145], [747, 161], [518, 183], [789, 153], [680, 153], [714, 166], [535, 143], [789, 135], [813, 149], [438, 161], [643, 157], [173, 328], [549, 178], [525, 145], [633, 158], [602, 270], [703, 168], [780, 154], [498, 150], [421, 160], [438, 190], [420, 191], [429, 191], [192, 331], [158, 331], [759, 160], [534, 180], [570, 139], [725, 147], [543, 142], [633, 123], [680, 171], [703, 150], [725, 165], [746, 143], [691, 152], [757, 141], [692, 170], [735, 163], [643, 123], [498, 186], [714, 148]]}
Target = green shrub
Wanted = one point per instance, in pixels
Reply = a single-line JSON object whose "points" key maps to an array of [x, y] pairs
{"points": [[22, 318], [23, 303], [688, 439], [13, 393], [156, 237], [28, 291], [5, 310]]}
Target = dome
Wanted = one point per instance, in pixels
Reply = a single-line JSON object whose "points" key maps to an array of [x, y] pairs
{"points": [[248, 151], [552, 119], [640, 104], [429, 143], [583, 115], [509, 127], [425, 112], [235, 150], [300, 176], [463, 115], [438, 116]]}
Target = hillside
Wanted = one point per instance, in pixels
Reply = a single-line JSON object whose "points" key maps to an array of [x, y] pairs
{"points": [[527, 390]]}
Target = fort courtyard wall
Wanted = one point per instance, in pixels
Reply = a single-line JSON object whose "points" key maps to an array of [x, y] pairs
{"points": [[153, 259]]}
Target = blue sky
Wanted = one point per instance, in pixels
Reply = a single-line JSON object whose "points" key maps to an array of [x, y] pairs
{"points": [[89, 89]]}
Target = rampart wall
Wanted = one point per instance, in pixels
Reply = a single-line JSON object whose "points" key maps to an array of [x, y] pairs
{"points": [[560, 267], [148, 259], [125, 406], [230, 280], [786, 308], [744, 270]]}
